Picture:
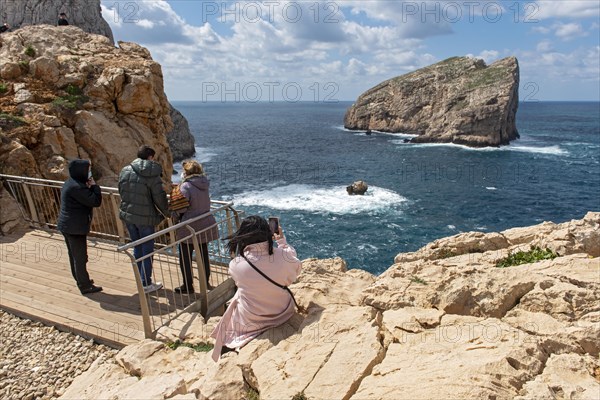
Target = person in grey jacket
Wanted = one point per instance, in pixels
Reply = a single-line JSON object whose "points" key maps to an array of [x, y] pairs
{"points": [[195, 188], [143, 206], [78, 197]]}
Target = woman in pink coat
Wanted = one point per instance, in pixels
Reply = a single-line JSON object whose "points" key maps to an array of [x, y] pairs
{"points": [[258, 303]]}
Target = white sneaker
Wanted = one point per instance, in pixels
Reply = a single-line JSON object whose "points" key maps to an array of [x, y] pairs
{"points": [[153, 287]]}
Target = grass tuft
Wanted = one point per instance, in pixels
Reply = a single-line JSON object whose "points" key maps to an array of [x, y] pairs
{"points": [[203, 347], [30, 51], [416, 279], [526, 257]]}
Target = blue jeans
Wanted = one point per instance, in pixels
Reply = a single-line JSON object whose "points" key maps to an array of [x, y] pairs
{"points": [[145, 267]]}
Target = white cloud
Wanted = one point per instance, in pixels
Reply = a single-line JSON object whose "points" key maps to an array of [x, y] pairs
{"points": [[564, 31], [489, 56], [565, 9], [568, 31], [544, 46]]}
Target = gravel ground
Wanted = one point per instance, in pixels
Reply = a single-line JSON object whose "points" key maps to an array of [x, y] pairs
{"points": [[40, 362]]}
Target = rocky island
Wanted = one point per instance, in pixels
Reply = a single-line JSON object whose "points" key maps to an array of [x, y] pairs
{"points": [[460, 100]]}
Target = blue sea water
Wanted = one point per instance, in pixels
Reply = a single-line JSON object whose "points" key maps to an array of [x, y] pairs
{"points": [[294, 161]]}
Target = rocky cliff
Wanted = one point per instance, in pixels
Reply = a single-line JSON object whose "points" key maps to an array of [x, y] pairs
{"points": [[181, 141], [460, 100], [65, 93], [444, 322], [86, 14]]}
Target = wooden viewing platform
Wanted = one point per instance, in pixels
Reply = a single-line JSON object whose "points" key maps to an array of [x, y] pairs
{"points": [[36, 283]]}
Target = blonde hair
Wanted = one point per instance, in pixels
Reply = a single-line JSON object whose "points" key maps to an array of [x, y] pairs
{"points": [[192, 167]]}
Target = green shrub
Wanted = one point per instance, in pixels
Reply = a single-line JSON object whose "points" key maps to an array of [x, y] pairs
{"points": [[10, 121], [416, 279], [73, 90], [24, 64], [62, 102], [30, 51], [526, 257], [73, 100], [204, 348], [252, 394], [3, 87], [299, 396]]}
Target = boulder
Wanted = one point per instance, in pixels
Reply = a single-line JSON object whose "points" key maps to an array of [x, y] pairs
{"points": [[358, 187], [459, 100]]}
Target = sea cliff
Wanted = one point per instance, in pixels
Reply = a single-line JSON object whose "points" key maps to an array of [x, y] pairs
{"points": [[459, 318], [67, 94], [460, 100]]}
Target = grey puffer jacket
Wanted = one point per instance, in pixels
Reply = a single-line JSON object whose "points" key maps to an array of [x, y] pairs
{"points": [[141, 190], [195, 189]]}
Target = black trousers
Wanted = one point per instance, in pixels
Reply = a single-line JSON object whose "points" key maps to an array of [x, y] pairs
{"points": [[78, 257], [185, 262]]}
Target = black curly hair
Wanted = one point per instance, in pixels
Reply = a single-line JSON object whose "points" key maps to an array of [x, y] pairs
{"points": [[254, 229]]}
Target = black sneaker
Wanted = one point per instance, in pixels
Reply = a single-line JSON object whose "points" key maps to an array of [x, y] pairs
{"points": [[183, 289], [91, 289]]}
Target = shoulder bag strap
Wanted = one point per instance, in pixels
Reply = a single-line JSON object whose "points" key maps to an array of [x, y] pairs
{"points": [[272, 281]]}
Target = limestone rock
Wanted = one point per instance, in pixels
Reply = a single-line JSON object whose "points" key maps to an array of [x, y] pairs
{"points": [[434, 327], [325, 283], [340, 339], [86, 14], [181, 140], [11, 218], [93, 384], [463, 357], [566, 376], [131, 358], [102, 102], [459, 100]]}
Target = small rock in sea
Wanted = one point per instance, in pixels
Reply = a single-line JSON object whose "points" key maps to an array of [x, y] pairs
{"points": [[358, 187], [368, 132]]}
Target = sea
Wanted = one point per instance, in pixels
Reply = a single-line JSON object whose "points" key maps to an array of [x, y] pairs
{"points": [[294, 161]]}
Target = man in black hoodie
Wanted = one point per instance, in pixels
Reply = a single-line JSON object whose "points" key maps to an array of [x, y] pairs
{"points": [[79, 195], [144, 205]]}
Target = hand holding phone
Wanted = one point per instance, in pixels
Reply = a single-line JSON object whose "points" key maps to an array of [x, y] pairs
{"points": [[274, 225]]}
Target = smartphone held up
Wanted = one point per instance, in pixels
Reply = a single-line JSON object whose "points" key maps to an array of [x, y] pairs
{"points": [[274, 225]]}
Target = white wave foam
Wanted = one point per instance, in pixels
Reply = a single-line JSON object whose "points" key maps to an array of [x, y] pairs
{"points": [[554, 150], [551, 150], [491, 188], [451, 227], [317, 199]]}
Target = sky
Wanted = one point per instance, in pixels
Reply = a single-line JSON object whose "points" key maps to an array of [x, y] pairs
{"points": [[327, 51]]}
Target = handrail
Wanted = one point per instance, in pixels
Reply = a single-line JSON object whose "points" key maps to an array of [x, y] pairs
{"points": [[172, 228]]}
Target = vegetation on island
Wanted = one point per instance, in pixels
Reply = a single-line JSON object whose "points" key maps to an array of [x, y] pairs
{"points": [[29, 51]]}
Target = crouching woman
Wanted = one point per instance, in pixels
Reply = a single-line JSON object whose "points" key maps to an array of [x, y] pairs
{"points": [[259, 271]]}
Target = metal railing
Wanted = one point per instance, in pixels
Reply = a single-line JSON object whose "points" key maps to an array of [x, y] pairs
{"points": [[162, 306], [39, 201]]}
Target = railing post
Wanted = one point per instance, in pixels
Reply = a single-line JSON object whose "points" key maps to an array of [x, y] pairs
{"points": [[115, 206], [32, 211], [143, 300], [201, 274]]}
